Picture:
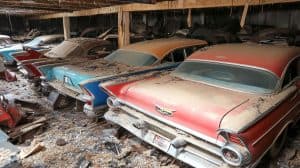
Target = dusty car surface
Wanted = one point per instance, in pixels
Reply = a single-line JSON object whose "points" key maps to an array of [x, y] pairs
{"points": [[227, 106], [5, 41], [71, 50], [81, 80], [41, 42]]}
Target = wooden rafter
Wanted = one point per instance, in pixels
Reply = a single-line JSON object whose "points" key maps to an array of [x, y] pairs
{"points": [[165, 5], [63, 5]]}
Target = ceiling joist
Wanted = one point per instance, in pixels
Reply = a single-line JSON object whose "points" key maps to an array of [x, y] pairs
{"points": [[54, 6], [165, 5]]}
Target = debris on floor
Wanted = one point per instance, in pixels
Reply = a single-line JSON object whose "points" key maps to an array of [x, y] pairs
{"points": [[68, 138], [8, 152]]}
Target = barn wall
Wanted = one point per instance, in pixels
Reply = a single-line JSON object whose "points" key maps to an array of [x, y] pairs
{"points": [[11, 24]]}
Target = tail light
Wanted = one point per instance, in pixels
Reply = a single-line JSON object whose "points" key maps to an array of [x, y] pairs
{"points": [[113, 102], [235, 151], [232, 155], [88, 96], [235, 139]]}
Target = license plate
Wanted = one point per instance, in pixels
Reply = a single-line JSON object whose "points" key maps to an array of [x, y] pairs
{"points": [[161, 142]]}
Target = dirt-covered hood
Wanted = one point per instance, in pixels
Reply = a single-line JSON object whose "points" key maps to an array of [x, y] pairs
{"points": [[194, 105], [101, 68], [80, 71]]}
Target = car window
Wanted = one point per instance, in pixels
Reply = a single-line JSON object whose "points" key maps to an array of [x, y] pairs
{"points": [[53, 41], [131, 58], [179, 55], [229, 76], [192, 49], [292, 72], [175, 56]]}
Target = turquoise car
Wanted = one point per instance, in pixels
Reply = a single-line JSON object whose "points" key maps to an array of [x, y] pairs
{"points": [[81, 80], [41, 42]]}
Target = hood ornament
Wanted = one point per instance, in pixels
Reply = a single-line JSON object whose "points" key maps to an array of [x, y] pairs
{"points": [[164, 111]]}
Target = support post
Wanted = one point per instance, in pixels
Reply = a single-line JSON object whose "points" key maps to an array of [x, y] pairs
{"points": [[66, 24], [123, 28], [189, 18], [245, 11]]}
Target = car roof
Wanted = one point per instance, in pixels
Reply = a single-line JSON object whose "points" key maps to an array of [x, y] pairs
{"points": [[48, 37], [160, 47], [4, 36], [86, 42], [269, 57]]}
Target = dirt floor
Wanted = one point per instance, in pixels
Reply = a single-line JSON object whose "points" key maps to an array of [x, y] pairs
{"points": [[70, 139]]}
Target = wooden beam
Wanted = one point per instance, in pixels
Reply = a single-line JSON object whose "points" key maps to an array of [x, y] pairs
{"points": [[89, 12], [192, 4], [189, 19], [66, 24], [166, 5], [123, 28], [245, 11]]}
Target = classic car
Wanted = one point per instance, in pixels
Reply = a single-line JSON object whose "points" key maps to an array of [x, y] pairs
{"points": [[81, 80], [41, 42], [5, 41], [226, 106], [33, 33], [111, 35], [71, 50]]}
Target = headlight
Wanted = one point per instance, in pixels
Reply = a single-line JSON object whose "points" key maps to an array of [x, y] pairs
{"points": [[113, 102], [235, 155]]}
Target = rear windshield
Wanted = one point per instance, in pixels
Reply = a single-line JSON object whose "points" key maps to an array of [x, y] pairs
{"points": [[131, 58], [230, 76]]}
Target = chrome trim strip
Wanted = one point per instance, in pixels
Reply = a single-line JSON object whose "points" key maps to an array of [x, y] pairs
{"points": [[273, 126], [172, 124], [266, 151]]}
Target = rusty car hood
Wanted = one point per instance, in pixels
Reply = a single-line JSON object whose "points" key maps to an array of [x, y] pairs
{"points": [[193, 105]]}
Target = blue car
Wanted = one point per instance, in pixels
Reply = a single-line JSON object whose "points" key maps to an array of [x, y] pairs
{"points": [[81, 80], [41, 42]]}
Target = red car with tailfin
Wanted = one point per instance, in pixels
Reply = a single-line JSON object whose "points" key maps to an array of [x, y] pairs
{"points": [[226, 106]]}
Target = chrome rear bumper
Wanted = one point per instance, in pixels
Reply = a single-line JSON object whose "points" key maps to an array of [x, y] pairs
{"points": [[93, 112], [195, 152]]}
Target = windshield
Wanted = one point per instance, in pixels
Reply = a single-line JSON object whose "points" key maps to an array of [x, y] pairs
{"points": [[34, 42], [131, 58], [64, 49], [229, 76]]}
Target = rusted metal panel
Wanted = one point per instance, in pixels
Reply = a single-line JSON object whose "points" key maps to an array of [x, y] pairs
{"points": [[10, 113]]}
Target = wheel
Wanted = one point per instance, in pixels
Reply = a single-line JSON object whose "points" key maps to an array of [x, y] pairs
{"points": [[278, 145]]}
